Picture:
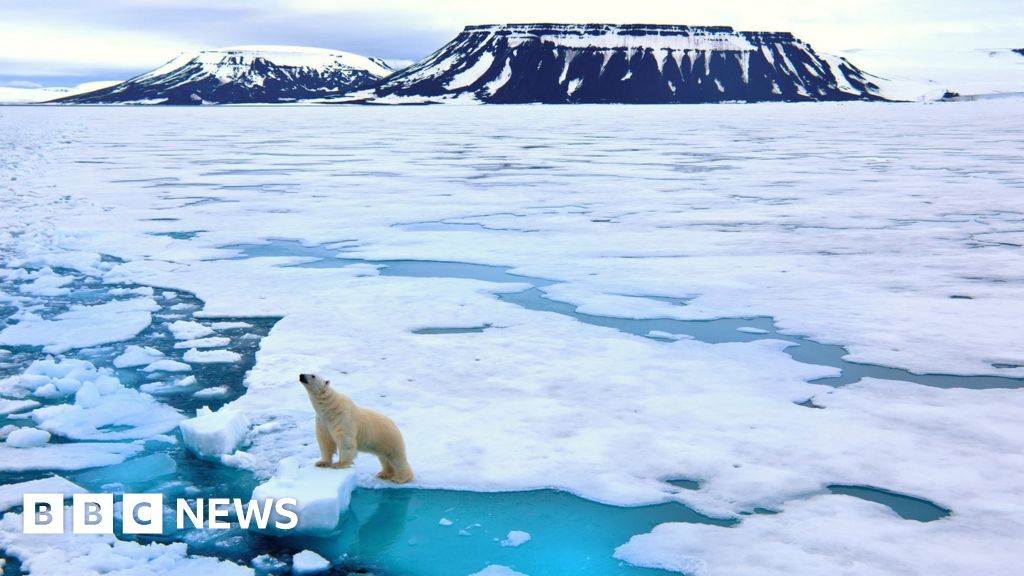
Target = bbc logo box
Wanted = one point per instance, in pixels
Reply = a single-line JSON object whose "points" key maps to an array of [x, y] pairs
{"points": [[92, 514]]}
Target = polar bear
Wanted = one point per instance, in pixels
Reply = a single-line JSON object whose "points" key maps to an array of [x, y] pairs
{"points": [[345, 428]]}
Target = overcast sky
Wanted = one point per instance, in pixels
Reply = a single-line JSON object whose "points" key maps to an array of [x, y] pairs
{"points": [[64, 42]]}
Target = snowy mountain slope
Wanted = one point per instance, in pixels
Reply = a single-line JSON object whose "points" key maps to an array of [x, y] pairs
{"points": [[636, 63], [32, 95], [244, 74], [929, 74]]}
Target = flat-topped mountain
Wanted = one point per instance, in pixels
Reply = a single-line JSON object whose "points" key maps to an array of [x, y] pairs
{"points": [[634, 63], [244, 74]]}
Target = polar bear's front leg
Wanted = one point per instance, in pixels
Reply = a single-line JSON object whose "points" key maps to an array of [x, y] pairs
{"points": [[346, 452], [326, 443]]}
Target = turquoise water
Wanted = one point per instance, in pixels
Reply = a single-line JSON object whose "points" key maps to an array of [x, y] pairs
{"points": [[907, 507]]}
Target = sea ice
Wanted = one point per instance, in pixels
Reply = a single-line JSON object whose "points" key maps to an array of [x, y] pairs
{"points": [[516, 538], [211, 356], [188, 330], [91, 554], [211, 434], [106, 410], [11, 494], [74, 456], [167, 365], [322, 494], [15, 406], [82, 326], [497, 570], [27, 438], [135, 355], [212, 392], [309, 562], [210, 342]]}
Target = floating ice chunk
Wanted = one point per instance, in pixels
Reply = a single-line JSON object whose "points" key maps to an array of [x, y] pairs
{"points": [[168, 295], [49, 378], [497, 570], [214, 392], [752, 330], [211, 342], [158, 388], [168, 366], [137, 356], [13, 406], [70, 553], [82, 326], [66, 456], [47, 283], [267, 564], [11, 494], [309, 562], [323, 495], [516, 538], [211, 434], [188, 330], [106, 410], [212, 356], [27, 438], [445, 522], [6, 430], [662, 335], [182, 306], [230, 325]]}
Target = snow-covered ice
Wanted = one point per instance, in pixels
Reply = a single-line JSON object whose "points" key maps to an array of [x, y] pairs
{"points": [[211, 356], [497, 570], [322, 494], [11, 494], [309, 562], [27, 438], [891, 230], [94, 554], [516, 538], [210, 342], [212, 434], [82, 326], [135, 355]]}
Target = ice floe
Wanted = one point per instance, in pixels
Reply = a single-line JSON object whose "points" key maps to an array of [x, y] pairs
{"points": [[211, 434]]}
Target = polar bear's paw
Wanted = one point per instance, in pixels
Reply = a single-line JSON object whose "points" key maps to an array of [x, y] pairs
{"points": [[323, 464], [341, 464]]}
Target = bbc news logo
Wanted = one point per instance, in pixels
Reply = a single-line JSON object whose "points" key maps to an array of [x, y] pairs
{"points": [[144, 513]]}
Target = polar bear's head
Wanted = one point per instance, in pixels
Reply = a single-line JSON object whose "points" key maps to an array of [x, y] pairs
{"points": [[313, 382]]}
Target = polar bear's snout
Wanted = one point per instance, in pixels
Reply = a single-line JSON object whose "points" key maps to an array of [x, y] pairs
{"points": [[303, 378]]}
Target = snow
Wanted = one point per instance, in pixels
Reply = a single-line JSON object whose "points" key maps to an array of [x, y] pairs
{"points": [[851, 224], [82, 326], [211, 356], [11, 494], [516, 538], [27, 438], [309, 562], [322, 494], [95, 554], [36, 94], [470, 75], [211, 434], [135, 355]]}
